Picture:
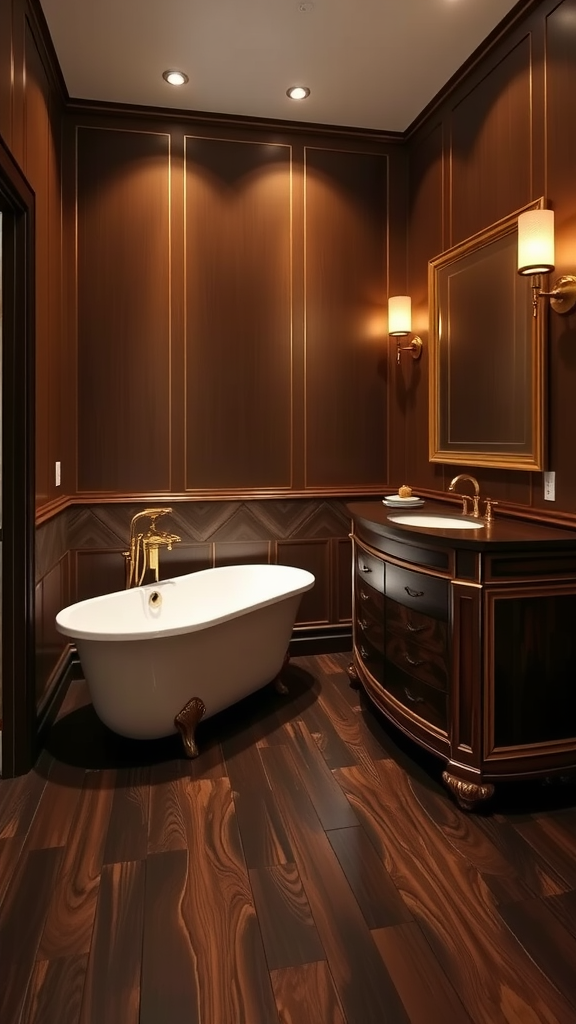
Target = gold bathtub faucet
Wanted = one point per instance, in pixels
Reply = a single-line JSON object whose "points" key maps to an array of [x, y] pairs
{"points": [[143, 554]]}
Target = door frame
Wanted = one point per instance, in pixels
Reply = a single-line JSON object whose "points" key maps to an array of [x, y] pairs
{"points": [[18, 484]]}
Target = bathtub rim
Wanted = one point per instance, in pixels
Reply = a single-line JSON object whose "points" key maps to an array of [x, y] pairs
{"points": [[76, 633]]}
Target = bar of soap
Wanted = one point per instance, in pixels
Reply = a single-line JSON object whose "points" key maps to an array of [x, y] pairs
{"points": [[405, 491]]}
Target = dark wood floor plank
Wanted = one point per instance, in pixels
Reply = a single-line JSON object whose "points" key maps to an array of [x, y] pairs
{"points": [[427, 994], [554, 843], [329, 801], [288, 930], [219, 914], [56, 808], [55, 991], [167, 829], [10, 850], [547, 941], [377, 896], [112, 988], [70, 918], [347, 721], [333, 748], [306, 995], [21, 921], [487, 967], [364, 988], [564, 908], [530, 867], [264, 837], [19, 799], [127, 837], [170, 992], [463, 834]]}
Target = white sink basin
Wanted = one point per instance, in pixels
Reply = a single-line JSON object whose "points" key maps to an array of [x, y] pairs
{"points": [[436, 522]]}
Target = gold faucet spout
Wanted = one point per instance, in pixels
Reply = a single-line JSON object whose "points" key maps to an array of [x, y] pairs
{"points": [[465, 497]]}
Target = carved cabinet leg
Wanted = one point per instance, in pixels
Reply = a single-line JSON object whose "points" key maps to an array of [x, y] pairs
{"points": [[186, 721], [353, 676], [467, 794], [279, 686]]}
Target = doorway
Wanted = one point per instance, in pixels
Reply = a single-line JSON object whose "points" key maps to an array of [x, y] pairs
{"points": [[18, 746]]}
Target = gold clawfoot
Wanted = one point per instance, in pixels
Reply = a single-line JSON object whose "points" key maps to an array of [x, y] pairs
{"points": [[279, 686], [467, 793], [186, 721]]}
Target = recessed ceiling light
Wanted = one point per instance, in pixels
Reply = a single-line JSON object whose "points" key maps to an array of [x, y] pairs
{"points": [[298, 92], [175, 77]]}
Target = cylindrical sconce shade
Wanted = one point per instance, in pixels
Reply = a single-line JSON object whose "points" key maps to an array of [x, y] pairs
{"points": [[536, 242], [399, 315]]}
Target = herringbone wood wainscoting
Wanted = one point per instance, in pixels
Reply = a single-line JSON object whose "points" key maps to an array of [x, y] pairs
{"points": [[307, 868]]}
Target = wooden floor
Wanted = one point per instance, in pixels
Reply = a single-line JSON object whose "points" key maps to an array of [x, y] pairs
{"points": [[307, 868]]}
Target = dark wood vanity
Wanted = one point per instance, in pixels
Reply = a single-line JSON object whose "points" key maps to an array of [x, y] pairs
{"points": [[466, 640]]}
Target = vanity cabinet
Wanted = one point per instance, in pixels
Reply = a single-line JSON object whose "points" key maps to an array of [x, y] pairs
{"points": [[468, 643]]}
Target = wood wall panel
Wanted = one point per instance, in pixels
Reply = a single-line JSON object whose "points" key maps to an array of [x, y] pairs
{"points": [[52, 594], [6, 72], [426, 225], [561, 177], [313, 555], [238, 314], [346, 216], [491, 155], [123, 315], [37, 169]]}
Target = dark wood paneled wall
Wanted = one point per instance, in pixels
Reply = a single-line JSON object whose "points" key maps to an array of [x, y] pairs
{"points": [[499, 140], [229, 307]]}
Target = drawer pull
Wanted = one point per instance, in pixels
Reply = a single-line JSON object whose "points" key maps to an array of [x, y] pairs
{"points": [[410, 696], [365, 568], [414, 629], [414, 593], [413, 661], [363, 624], [363, 596], [364, 653]]}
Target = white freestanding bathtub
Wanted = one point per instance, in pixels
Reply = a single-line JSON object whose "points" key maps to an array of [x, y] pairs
{"points": [[160, 657]]}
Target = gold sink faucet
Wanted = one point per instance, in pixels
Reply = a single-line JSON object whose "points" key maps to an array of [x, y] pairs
{"points": [[143, 554], [466, 497]]}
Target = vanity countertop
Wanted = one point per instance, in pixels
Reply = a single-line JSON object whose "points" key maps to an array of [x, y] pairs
{"points": [[502, 533]]}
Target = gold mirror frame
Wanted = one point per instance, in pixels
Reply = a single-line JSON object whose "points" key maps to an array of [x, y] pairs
{"points": [[486, 380]]}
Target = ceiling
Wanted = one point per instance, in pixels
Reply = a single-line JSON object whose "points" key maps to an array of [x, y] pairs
{"points": [[369, 63]]}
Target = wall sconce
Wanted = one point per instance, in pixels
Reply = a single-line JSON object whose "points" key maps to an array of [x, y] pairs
{"points": [[400, 324], [536, 257]]}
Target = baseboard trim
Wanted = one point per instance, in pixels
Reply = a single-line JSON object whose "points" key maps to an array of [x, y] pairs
{"points": [[68, 670], [320, 640]]}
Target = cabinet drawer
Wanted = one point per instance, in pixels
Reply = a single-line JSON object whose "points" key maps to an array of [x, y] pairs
{"points": [[369, 600], [371, 628], [371, 569], [425, 701], [426, 594], [412, 625], [371, 657], [427, 666]]}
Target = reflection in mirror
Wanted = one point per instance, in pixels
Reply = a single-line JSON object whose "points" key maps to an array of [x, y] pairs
{"points": [[486, 354]]}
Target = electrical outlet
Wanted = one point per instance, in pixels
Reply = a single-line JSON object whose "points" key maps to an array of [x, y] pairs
{"points": [[57, 474], [550, 486]]}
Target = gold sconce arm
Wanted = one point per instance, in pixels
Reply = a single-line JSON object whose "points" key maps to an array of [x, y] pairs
{"points": [[415, 348]]}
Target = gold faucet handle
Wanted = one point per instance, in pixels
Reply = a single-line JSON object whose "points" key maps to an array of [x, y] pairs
{"points": [[488, 516], [465, 508]]}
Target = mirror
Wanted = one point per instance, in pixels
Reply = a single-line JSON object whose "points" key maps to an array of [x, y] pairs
{"points": [[486, 354]]}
